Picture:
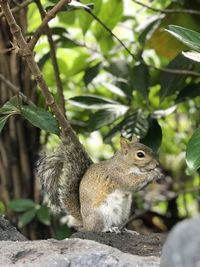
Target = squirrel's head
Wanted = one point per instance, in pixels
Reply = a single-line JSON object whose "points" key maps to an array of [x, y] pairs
{"points": [[138, 154]]}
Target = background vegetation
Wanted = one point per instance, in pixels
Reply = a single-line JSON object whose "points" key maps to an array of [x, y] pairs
{"points": [[117, 71]]}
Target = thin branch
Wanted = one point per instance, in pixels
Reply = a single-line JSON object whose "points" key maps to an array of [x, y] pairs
{"points": [[19, 6], [111, 33], [29, 57], [60, 90], [168, 11], [175, 71], [16, 90], [49, 16]]}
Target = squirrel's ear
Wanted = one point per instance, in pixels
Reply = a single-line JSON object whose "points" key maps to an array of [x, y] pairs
{"points": [[135, 139], [124, 145]]}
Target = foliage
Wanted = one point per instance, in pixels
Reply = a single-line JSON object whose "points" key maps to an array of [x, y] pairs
{"points": [[192, 40], [123, 73]]}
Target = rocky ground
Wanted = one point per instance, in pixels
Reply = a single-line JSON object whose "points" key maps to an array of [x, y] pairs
{"points": [[87, 249]]}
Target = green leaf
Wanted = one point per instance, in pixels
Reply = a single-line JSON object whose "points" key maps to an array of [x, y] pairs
{"points": [[40, 118], [10, 107], [85, 19], [149, 29], [188, 92], [186, 36], [44, 216], [110, 14], [153, 138], [192, 152], [114, 89], [62, 232], [91, 102], [193, 55], [3, 121], [124, 87], [171, 83], [21, 204], [119, 68], [135, 123], [141, 80], [27, 217], [91, 73], [106, 116]]}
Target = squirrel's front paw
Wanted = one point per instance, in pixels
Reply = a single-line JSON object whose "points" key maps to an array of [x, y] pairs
{"points": [[113, 229]]}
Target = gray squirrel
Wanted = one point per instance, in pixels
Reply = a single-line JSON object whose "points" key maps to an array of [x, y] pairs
{"points": [[97, 198]]}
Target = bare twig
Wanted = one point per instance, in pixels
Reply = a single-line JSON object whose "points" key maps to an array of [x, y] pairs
{"points": [[16, 90], [168, 11], [60, 90], [50, 15]]}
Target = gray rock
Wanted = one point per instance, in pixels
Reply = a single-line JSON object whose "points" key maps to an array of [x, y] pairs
{"points": [[182, 248], [9, 232], [72, 252]]}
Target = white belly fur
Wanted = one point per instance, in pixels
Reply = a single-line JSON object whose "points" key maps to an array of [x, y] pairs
{"points": [[116, 209]]}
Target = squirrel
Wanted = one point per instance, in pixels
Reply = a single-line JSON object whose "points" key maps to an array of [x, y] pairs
{"points": [[100, 198]]}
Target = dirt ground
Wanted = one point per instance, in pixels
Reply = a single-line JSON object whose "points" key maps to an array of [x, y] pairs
{"points": [[143, 245]]}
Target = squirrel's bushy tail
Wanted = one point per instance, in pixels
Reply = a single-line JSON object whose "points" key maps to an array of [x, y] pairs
{"points": [[60, 174]]}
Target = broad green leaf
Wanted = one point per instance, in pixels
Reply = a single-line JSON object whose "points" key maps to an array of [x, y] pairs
{"points": [[91, 73], [10, 107], [110, 14], [186, 36], [21, 204], [188, 92], [114, 89], [85, 19], [106, 116], [153, 138], [192, 55], [43, 215], [40, 118], [91, 102], [67, 18], [62, 232], [141, 80], [135, 123], [170, 82], [153, 24], [119, 68], [193, 151], [3, 120], [125, 87], [27, 217]]}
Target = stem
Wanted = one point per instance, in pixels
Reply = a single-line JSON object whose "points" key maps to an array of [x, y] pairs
{"points": [[169, 11], [16, 90]]}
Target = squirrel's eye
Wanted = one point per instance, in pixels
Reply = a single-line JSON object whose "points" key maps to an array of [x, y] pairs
{"points": [[140, 154]]}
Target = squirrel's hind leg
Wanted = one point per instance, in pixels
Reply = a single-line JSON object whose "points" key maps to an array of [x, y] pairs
{"points": [[93, 221]]}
